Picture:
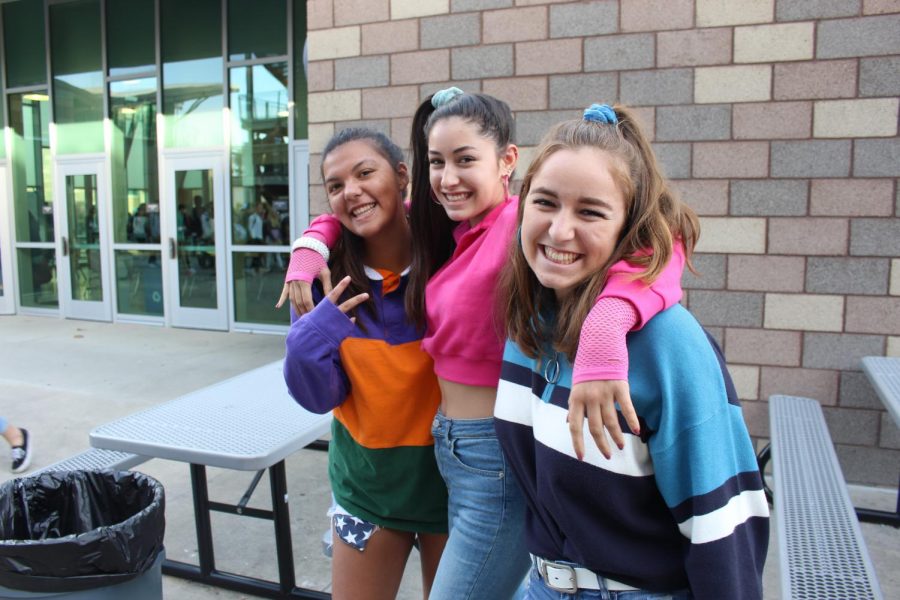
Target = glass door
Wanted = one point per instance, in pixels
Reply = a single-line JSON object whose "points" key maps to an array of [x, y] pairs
{"points": [[7, 296], [195, 241], [81, 244]]}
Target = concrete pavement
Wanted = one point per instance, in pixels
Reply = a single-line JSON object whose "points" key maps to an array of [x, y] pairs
{"points": [[61, 378]]}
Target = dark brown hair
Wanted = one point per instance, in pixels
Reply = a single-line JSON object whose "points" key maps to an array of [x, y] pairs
{"points": [[432, 229], [347, 255], [655, 218]]}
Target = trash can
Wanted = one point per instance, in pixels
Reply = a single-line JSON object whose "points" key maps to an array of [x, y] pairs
{"points": [[82, 535]]}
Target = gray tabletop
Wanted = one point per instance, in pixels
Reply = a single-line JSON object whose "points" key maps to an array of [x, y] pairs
{"points": [[884, 373], [248, 423]]}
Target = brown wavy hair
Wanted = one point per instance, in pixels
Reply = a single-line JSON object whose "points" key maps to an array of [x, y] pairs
{"points": [[655, 218]]}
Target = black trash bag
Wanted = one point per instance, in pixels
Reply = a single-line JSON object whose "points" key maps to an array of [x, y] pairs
{"points": [[76, 530]]}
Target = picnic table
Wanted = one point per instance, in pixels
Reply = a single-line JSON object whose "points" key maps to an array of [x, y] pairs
{"points": [[884, 374], [246, 423]]}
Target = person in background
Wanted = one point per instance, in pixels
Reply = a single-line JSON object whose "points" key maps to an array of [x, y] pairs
{"points": [[20, 444], [680, 513]]}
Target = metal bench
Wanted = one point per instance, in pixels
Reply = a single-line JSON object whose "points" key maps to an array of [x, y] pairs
{"points": [[823, 554], [94, 459]]}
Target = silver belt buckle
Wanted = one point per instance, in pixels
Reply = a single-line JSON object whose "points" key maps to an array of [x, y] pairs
{"points": [[556, 575]]}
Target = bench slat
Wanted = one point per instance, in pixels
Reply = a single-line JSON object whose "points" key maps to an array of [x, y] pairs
{"points": [[823, 554], [96, 458]]}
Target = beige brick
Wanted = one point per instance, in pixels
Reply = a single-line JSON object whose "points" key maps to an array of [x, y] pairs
{"points": [[880, 7], [806, 312], [419, 67], [895, 277], [713, 13], [318, 201], [536, 2], [808, 236], [772, 120], [873, 117], [407, 9], [354, 12], [746, 381], [851, 197], [654, 15], [705, 196], [386, 103], [319, 134], [766, 273], [321, 76], [734, 235], [820, 384], [694, 47], [339, 42], [718, 160], [893, 346], [319, 14], [815, 80], [645, 116], [387, 38], [334, 106], [556, 56], [774, 43], [521, 93], [762, 347], [743, 83], [401, 127], [527, 154], [514, 25], [868, 314]]}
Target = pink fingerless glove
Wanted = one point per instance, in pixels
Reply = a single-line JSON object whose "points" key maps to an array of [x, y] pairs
{"points": [[602, 353], [305, 265]]}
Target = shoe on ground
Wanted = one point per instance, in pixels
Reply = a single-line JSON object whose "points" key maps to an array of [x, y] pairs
{"points": [[21, 455]]}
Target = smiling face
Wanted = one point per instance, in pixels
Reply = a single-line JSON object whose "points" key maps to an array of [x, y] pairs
{"points": [[572, 217], [364, 191], [465, 169]]}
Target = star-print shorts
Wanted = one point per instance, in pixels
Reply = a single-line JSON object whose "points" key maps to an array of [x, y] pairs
{"points": [[353, 531]]}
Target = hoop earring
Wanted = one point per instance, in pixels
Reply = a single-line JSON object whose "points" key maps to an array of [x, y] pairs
{"points": [[505, 179]]}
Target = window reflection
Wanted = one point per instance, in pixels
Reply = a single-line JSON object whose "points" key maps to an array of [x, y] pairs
{"points": [[191, 38], [259, 155], [37, 277], [134, 161], [77, 76], [29, 119], [129, 36], [84, 237], [139, 288], [256, 29]]}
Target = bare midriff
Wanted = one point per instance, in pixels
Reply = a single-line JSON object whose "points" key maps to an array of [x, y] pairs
{"points": [[461, 401]]}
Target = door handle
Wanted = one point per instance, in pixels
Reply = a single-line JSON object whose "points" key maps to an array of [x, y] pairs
{"points": [[65, 246], [172, 252]]}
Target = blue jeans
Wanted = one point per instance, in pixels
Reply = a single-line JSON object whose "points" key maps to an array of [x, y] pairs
{"points": [[538, 590], [485, 557]]}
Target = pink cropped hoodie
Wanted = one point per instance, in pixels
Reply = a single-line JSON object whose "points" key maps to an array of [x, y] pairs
{"points": [[462, 334]]}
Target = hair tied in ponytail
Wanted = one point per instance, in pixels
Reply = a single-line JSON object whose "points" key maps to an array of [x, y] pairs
{"points": [[600, 113], [445, 96]]}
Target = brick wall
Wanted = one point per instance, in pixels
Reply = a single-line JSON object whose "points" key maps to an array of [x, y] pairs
{"points": [[776, 119]]}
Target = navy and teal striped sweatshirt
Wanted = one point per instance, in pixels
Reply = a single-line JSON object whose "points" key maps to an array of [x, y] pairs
{"points": [[681, 506]]}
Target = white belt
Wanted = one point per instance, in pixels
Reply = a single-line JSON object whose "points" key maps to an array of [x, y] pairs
{"points": [[568, 579]]}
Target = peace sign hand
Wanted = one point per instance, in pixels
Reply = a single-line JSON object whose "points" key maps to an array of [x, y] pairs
{"points": [[349, 304]]}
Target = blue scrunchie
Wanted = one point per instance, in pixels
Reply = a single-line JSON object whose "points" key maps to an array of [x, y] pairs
{"points": [[445, 96], [600, 113]]}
